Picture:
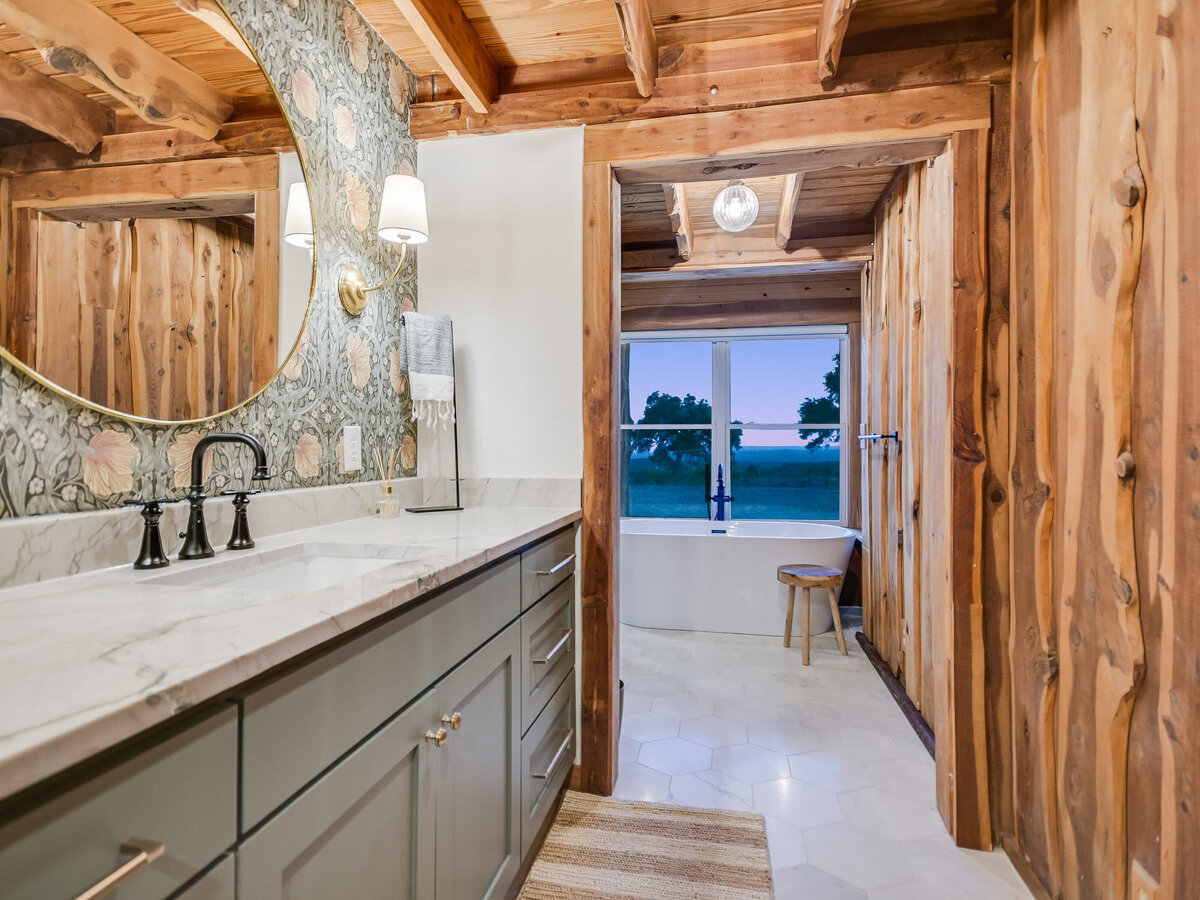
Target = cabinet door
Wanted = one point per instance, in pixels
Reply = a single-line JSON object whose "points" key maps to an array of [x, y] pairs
{"points": [[365, 830], [478, 825], [218, 884]]}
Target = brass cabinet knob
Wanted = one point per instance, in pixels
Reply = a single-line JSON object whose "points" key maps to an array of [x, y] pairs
{"points": [[438, 738], [454, 721]]}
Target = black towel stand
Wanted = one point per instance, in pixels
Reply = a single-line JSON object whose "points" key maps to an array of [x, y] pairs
{"points": [[457, 498]]}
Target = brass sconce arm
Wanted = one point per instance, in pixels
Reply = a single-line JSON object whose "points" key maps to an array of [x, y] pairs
{"points": [[353, 288]]}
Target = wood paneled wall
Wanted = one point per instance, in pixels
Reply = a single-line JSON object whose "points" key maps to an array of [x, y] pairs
{"points": [[162, 318], [1105, 478], [907, 294], [935, 345]]}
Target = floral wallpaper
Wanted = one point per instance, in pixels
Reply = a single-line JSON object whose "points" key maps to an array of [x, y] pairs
{"points": [[347, 95]]}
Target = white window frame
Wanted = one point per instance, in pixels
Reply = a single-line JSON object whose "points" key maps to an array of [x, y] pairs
{"points": [[720, 339]]}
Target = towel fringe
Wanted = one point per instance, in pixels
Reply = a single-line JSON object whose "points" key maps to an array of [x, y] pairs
{"points": [[433, 413]]}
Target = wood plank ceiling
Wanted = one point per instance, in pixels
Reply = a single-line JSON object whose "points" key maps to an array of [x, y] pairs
{"points": [[559, 62], [188, 44]]}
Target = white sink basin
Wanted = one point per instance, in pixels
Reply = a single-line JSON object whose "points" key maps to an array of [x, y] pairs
{"points": [[299, 567]]}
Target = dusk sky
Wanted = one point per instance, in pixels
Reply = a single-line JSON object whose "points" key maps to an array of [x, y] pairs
{"points": [[770, 378]]}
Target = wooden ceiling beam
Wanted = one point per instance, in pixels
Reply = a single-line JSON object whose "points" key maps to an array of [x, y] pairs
{"points": [[756, 314], [641, 43], [745, 289], [686, 87], [452, 40], [788, 198], [77, 38], [710, 138], [743, 315], [242, 138], [859, 156], [681, 219], [840, 254], [211, 14], [36, 100], [831, 32]]}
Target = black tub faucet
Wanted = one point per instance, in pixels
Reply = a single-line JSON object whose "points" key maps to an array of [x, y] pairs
{"points": [[720, 497], [195, 539]]}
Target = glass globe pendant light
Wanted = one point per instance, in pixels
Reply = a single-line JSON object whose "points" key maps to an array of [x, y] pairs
{"points": [[736, 207]]}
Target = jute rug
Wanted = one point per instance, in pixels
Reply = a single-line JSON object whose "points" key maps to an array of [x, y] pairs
{"points": [[601, 847]]}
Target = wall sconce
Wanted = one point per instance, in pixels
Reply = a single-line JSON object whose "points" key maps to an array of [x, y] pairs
{"points": [[402, 220], [298, 224]]}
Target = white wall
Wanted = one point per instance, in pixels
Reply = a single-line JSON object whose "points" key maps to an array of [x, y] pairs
{"points": [[504, 260]]}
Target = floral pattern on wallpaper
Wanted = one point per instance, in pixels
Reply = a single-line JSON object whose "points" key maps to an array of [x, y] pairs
{"points": [[347, 96]]}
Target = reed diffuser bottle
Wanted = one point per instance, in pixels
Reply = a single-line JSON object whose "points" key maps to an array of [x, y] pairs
{"points": [[386, 507]]}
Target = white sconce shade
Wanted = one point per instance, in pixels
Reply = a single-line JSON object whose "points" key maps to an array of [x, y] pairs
{"points": [[402, 215], [298, 224], [736, 207]]}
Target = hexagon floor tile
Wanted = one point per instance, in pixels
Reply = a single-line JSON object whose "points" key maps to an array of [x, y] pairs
{"points": [[736, 722]]}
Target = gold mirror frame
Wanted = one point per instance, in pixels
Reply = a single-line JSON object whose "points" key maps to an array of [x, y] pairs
{"points": [[72, 397]]}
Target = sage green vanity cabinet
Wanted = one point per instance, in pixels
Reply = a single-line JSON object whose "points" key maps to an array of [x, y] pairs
{"points": [[181, 792], [300, 723], [547, 649], [417, 759], [421, 810], [478, 828], [546, 565], [220, 883], [365, 830]]}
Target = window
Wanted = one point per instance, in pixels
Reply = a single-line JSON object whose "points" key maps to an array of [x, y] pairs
{"points": [[762, 404]]}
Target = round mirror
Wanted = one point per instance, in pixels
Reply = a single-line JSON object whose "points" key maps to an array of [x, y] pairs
{"points": [[154, 218]]}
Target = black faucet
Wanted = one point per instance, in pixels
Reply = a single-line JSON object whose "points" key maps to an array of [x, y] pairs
{"points": [[195, 539], [720, 497]]}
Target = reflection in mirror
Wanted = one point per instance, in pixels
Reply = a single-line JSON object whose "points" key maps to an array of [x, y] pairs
{"points": [[158, 265]]}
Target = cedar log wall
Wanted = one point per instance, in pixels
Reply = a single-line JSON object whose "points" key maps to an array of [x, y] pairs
{"points": [[1105, 475], [935, 337], [165, 322]]}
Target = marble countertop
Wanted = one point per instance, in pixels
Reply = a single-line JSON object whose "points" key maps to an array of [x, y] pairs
{"points": [[90, 660]]}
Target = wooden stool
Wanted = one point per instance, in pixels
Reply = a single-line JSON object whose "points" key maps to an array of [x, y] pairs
{"points": [[809, 577]]}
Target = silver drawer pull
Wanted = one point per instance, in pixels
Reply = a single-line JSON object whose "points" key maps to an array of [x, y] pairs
{"points": [[549, 657], [550, 769], [145, 852], [562, 565]]}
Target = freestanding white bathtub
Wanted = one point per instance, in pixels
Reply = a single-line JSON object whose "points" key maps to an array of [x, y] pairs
{"points": [[678, 574]]}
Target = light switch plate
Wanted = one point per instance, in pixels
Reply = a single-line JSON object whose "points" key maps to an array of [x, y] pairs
{"points": [[352, 447]]}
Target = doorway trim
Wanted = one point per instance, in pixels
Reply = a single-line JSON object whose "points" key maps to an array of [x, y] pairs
{"points": [[894, 128]]}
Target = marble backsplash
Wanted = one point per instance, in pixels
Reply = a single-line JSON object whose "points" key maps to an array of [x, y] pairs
{"points": [[566, 492], [39, 548]]}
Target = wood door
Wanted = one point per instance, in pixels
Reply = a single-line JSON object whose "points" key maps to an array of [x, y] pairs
{"points": [[478, 806], [364, 830]]}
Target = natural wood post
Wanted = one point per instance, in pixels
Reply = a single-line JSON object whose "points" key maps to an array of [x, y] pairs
{"points": [[963, 794], [601, 480]]}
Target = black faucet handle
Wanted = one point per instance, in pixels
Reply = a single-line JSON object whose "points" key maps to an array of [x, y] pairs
{"points": [[239, 538], [151, 555], [156, 501]]}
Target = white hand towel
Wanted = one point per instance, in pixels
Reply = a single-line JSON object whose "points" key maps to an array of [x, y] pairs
{"points": [[427, 354]]}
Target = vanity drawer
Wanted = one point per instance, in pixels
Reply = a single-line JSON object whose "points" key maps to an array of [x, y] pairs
{"points": [[547, 755], [181, 793], [547, 649], [298, 725], [546, 565]]}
